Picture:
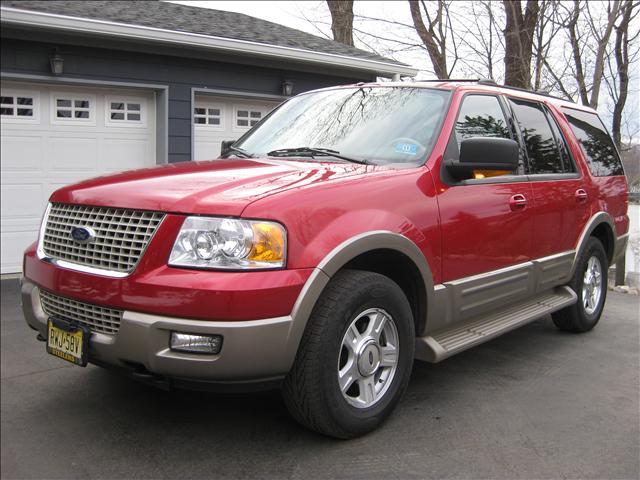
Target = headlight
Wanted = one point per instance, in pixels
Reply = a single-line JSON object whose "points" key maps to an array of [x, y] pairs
{"points": [[227, 243]]}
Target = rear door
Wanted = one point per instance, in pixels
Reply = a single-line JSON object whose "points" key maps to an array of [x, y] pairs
{"points": [[560, 204]]}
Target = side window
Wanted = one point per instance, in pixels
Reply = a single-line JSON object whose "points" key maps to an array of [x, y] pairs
{"points": [[69, 108], [210, 115], [597, 146], [567, 162], [542, 150], [481, 116], [19, 106], [124, 111], [247, 117]]}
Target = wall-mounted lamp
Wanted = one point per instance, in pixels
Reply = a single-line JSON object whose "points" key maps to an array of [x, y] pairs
{"points": [[57, 62], [287, 88]]}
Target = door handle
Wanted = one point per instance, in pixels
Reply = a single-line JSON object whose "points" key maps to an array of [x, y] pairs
{"points": [[518, 202], [581, 195]]}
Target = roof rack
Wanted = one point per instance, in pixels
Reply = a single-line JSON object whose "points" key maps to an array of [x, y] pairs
{"points": [[488, 81], [538, 92]]}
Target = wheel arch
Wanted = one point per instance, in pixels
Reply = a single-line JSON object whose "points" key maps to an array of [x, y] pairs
{"points": [[602, 227], [362, 252]]}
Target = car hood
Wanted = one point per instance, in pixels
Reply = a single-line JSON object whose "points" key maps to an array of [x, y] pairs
{"points": [[221, 187]]}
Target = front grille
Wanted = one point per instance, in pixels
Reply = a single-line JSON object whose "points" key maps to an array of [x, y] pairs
{"points": [[98, 319], [121, 235]]}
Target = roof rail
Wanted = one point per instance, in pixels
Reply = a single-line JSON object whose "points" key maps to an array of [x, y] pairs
{"points": [[488, 81], [537, 92]]}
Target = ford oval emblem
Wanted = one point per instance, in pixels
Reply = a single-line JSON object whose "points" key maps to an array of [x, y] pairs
{"points": [[83, 234]]}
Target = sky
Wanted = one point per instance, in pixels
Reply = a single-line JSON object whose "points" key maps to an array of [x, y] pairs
{"points": [[313, 16]]}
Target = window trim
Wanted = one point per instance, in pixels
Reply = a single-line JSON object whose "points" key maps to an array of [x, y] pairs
{"points": [[15, 93], [109, 122], [207, 105], [54, 96]]}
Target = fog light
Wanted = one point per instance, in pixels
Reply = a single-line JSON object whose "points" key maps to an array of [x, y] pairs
{"points": [[187, 342]]}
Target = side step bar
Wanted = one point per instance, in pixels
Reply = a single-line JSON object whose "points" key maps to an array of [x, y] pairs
{"points": [[448, 342]]}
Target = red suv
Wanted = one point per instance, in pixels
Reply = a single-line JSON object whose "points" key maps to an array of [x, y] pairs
{"points": [[349, 232]]}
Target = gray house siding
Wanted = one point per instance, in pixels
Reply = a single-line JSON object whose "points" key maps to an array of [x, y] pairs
{"points": [[175, 69]]}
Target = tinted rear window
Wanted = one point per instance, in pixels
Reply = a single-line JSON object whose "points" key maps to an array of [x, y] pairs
{"points": [[599, 150], [542, 150]]}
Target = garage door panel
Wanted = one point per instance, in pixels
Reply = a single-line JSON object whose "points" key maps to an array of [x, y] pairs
{"points": [[20, 201], [13, 245], [124, 153], [72, 153], [22, 153], [207, 150]]}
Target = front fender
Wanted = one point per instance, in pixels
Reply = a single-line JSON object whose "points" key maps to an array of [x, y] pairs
{"points": [[353, 227]]}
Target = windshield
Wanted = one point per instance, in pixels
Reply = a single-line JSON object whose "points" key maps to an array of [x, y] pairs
{"points": [[378, 125]]}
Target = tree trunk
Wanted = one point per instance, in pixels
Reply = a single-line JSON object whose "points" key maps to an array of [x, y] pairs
{"points": [[598, 69], [620, 271], [518, 37], [621, 53], [341, 20], [430, 39], [577, 54]]}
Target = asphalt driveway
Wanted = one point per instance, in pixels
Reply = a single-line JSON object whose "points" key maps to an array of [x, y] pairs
{"points": [[535, 403]]}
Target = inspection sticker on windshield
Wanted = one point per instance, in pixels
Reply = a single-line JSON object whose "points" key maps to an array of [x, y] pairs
{"points": [[407, 148]]}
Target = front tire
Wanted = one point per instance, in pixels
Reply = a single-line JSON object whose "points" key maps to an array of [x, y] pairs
{"points": [[355, 357], [590, 282]]}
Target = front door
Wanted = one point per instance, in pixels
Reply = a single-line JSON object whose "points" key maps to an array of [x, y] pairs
{"points": [[487, 223]]}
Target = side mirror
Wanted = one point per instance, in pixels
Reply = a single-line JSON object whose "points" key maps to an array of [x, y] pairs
{"points": [[224, 147], [484, 153]]}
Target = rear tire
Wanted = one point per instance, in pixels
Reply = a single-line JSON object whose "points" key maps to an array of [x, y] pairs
{"points": [[355, 357], [590, 283]]}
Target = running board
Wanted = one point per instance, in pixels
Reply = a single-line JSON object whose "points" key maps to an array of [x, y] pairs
{"points": [[448, 342]]}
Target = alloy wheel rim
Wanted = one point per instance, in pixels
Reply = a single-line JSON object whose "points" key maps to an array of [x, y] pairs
{"points": [[592, 285], [368, 358]]}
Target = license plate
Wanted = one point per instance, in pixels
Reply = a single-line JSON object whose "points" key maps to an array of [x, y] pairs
{"points": [[68, 341]]}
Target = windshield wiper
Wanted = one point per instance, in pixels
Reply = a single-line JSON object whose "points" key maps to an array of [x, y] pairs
{"points": [[239, 151], [327, 152]]}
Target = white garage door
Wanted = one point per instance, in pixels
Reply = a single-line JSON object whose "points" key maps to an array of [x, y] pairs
{"points": [[222, 118], [56, 135]]}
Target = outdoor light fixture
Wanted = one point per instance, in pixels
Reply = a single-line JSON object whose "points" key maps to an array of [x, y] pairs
{"points": [[57, 62], [287, 88]]}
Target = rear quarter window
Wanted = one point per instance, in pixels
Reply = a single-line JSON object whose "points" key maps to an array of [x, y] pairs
{"points": [[598, 148]]}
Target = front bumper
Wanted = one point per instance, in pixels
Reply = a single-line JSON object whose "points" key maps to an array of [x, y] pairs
{"points": [[252, 351]]}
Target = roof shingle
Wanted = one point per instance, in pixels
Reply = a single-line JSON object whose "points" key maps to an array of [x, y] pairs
{"points": [[205, 21]]}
